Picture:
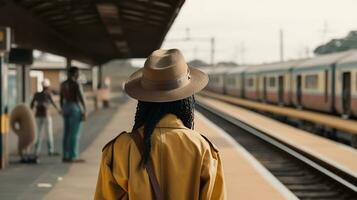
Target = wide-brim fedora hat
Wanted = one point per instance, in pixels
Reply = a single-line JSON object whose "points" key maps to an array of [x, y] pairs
{"points": [[165, 77]]}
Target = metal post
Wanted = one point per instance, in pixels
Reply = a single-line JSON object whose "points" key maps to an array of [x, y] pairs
{"points": [[281, 39], [94, 78], [2, 136], [95, 86], [68, 65], [23, 81], [100, 76], [5, 43], [212, 50], [3, 115]]}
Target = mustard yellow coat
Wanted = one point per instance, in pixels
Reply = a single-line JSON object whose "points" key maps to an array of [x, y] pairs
{"points": [[187, 166]]}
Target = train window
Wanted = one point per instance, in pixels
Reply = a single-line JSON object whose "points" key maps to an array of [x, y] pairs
{"points": [[250, 82], [213, 79], [311, 81], [231, 81], [272, 82]]}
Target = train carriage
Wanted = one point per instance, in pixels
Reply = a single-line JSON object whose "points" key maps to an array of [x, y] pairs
{"points": [[346, 85], [275, 81], [313, 82], [234, 84], [217, 79], [252, 83]]}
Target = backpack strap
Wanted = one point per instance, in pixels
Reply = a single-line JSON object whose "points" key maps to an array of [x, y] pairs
{"points": [[135, 135]]}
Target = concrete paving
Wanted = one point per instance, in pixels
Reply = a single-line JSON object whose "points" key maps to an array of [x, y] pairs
{"points": [[21, 181], [80, 180]]}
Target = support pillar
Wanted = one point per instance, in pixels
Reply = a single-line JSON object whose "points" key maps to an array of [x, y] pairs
{"points": [[68, 65], [212, 51], [5, 42], [100, 76], [95, 77], [24, 83], [4, 127], [95, 86]]}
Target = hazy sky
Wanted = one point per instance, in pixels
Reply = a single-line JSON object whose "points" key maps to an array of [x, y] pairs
{"points": [[254, 25]]}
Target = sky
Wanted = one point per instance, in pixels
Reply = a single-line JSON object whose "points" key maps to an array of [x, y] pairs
{"points": [[247, 31]]}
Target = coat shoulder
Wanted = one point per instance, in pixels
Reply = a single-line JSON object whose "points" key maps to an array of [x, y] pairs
{"points": [[111, 142], [213, 146]]}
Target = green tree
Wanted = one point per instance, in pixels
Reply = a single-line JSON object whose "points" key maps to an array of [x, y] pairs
{"points": [[197, 63], [338, 45], [227, 64]]}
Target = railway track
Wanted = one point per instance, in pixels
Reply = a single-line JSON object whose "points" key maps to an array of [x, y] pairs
{"points": [[307, 177]]}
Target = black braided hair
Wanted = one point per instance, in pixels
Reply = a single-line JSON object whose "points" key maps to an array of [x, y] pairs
{"points": [[148, 114]]}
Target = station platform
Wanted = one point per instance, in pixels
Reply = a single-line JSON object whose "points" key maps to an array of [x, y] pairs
{"points": [[57, 123], [34, 181], [53, 180], [347, 125], [333, 153], [244, 175]]}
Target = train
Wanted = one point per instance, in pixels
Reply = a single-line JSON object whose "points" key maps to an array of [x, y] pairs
{"points": [[325, 83]]}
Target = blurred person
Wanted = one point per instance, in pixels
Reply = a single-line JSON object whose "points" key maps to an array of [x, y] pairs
{"points": [[22, 122], [106, 92], [74, 113], [163, 157], [41, 101]]}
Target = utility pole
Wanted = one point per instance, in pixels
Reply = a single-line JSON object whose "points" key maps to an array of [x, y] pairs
{"points": [[281, 41], [188, 34], [195, 53], [325, 31], [307, 52], [236, 54], [212, 51], [242, 52]]}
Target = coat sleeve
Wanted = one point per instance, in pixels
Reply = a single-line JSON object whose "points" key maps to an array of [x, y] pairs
{"points": [[212, 180], [107, 187]]}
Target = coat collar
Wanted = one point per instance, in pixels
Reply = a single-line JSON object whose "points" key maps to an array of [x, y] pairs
{"points": [[170, 121]]}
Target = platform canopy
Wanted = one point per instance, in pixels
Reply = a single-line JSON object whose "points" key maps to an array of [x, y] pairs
{"points": [[90, 31]]}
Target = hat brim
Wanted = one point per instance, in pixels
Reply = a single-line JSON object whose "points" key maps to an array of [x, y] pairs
{"points": [[133, 87]]}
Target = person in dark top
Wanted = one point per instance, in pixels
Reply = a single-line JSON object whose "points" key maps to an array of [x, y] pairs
{"points": [[41, 101], [74, 112]]}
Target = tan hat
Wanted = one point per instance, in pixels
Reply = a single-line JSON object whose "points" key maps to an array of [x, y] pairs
{"points": [[165, 77]]}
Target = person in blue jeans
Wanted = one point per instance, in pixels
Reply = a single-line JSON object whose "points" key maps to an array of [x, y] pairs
{"points": [[74, 113]]}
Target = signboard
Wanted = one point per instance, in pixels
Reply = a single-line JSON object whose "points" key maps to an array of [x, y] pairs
{"points": [[20, 56]]}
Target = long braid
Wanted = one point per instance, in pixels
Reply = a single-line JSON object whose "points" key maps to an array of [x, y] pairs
{"points": [[148, 114]]}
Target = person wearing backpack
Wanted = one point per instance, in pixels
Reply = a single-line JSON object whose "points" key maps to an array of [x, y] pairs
{"points": [[162, 157]]}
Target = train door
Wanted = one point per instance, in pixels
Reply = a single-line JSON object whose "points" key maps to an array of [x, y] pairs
{"points": [[281, 89], [224, 83], [298, 90], [265, 88], [346, 92]]}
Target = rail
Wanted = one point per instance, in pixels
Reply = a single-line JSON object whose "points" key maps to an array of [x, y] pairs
{"points": [[305, 175]]}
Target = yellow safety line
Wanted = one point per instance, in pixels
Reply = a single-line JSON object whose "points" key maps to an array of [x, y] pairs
{"points": [[347, 125], [4, 124]]}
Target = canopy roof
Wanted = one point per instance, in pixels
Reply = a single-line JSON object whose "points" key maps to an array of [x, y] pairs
{"points": [[92, 31]]}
